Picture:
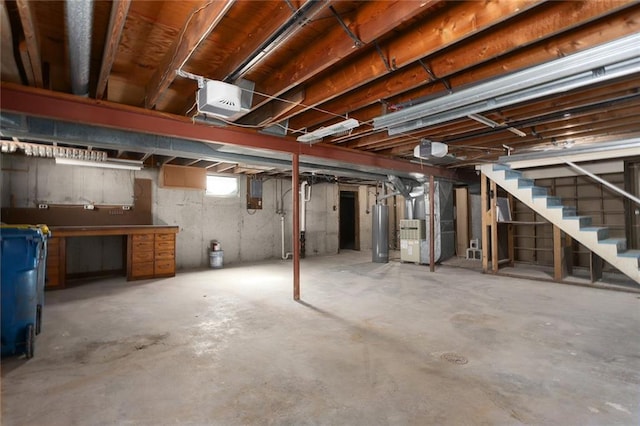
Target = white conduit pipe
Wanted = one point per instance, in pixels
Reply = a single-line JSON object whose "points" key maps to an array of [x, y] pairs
{"points": [[286, 255], [305, 197]]}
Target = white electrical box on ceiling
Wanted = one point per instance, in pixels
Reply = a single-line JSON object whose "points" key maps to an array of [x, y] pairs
{"points": [[222, 100]]}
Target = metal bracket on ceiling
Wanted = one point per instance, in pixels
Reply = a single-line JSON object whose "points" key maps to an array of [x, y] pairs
{"points": [[434, 78], [356, 41], [291, 6], [391, 67]]}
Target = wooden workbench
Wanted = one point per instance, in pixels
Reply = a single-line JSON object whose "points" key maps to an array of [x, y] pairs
{"points": [[150, 250]]}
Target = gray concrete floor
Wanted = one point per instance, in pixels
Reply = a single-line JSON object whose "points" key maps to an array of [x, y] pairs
{"points": [[369, 344]]}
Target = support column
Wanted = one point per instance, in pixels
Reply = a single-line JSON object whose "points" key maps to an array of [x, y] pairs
{"points": [[432, 231], [295, 191]]}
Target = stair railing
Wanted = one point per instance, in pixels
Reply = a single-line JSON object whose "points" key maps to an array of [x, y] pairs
{"points": [[602, 181]]}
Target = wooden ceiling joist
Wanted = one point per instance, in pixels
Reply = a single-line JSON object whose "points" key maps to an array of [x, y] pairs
{"points": [[119, 10], [427, 38], [29, 27], [198, 26], [372, 21], [485, 47]]}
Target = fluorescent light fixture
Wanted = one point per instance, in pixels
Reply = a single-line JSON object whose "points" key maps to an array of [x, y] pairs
{"points": [[483, 120], [489, 122], [109, 164], [316, 135], [517, 132], [602, 63]]}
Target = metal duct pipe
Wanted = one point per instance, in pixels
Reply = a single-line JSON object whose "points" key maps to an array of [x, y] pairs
{"points": [[79, 20]]}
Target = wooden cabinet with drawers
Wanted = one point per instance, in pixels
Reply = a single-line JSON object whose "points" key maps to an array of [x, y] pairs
{"points": [[152, 256], [150, 250]]}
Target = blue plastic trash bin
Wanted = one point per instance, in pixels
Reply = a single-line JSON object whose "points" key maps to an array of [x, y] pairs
{"points": [[20, 254]]}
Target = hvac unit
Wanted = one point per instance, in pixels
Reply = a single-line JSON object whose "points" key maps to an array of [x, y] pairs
{"points": [[412, 233]]}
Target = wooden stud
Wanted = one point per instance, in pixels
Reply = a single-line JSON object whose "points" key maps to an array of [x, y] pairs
{"points": [[559, 270], [494, 227], [486, 213], [511, 245], [462, 221], [198, 26], [119, 11], [595, 267]]}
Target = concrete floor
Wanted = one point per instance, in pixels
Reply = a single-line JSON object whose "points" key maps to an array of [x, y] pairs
{"points": [[370, 344]]}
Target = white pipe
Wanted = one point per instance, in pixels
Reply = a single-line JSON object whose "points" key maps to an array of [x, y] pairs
{"points": [[604, 182], [305, 196], [284, 255]]}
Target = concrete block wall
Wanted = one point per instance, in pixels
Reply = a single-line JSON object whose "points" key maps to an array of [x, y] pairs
{"points": [[245, 236]]}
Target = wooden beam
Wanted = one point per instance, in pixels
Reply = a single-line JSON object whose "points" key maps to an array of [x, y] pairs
{"points": [[270, 113], [192, 162], [26, 63], [370, 21], [445, 29], [212, 165], [119, 11], [295, 184], [9, 67], [491, 53], [29, 26], [223, 167], [485, 213], [198, 26]]}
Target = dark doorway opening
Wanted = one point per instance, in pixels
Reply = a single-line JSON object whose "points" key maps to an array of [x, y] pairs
{"points": [[349, 220]]}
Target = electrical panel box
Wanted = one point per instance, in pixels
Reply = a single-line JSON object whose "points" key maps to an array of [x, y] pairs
{"points": [[254, 194]]}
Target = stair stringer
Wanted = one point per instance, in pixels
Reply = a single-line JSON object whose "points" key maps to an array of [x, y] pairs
{"points": [[591, 237]]}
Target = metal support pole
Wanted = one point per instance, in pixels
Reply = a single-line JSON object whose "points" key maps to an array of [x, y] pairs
{"points": [[432, 231], [295, 183]]}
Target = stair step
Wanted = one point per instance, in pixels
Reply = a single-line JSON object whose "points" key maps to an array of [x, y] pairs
{"points": [[538, 191], [603, 233], [569, 211], [525, 183], [632, 254], [512, 174], [554, 201], [584, 220], [621, 243]]}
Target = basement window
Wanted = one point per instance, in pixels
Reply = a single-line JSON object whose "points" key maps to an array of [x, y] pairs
{"points": [[222, 186]]}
